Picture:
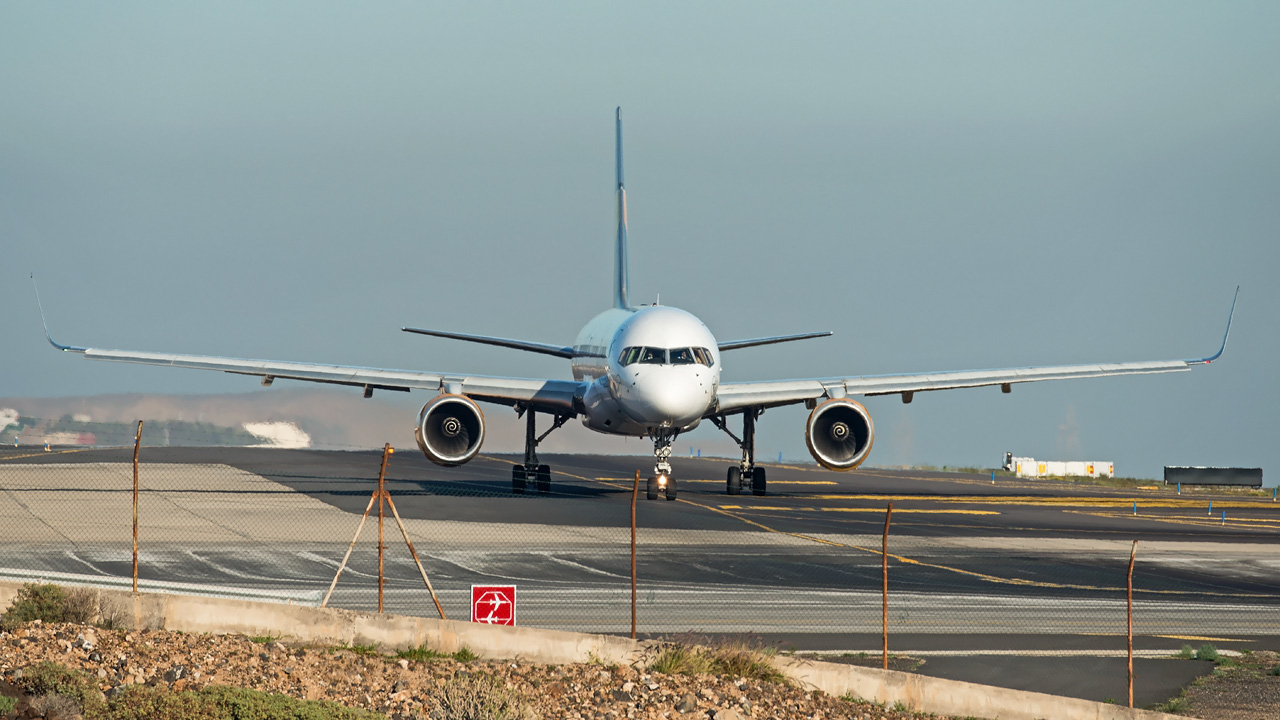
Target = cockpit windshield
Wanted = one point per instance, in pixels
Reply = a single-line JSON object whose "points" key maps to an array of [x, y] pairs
{"points": [[682, 356], [663, 356]]}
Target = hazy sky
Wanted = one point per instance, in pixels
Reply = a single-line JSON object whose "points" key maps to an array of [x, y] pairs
{"points": [[944, 185]]}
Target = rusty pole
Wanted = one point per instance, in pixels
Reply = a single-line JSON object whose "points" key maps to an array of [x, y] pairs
{"points": [[137, 443], [382, 496], [635, 492], [1132, 554], [884, 584]]}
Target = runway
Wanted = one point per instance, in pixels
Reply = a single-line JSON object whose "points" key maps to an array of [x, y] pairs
{"points": [[1005, 562]]}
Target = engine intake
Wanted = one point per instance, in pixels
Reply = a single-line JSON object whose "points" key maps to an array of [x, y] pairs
{"points": [[450, 430], [839, 434]]}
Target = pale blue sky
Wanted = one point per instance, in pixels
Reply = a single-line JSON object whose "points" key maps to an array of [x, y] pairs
{"points": [[945, 186]]}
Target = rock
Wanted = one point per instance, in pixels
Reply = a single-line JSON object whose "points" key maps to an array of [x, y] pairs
{"points": [[95, 657], [264, 657], [628, 687], [175, 673], [400, 686], [621, 696], [727, 714], [687, 704], [404, 664]]}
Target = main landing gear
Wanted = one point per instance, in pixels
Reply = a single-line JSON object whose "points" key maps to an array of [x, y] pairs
{"points": [[745, 474], [531, 471], [661, 480]]}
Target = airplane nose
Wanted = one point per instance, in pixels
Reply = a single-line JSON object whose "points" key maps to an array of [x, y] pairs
{"points": [[671, 398]]}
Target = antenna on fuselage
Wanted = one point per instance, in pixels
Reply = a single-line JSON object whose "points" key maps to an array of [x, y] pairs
{"points": [[620, 250]]}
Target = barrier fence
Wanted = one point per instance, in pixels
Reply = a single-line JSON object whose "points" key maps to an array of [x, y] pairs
{"points": [[286, 526]]}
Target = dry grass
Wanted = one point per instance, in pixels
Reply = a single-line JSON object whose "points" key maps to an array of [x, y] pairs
{"points": [[482, 697], [737, 657]]}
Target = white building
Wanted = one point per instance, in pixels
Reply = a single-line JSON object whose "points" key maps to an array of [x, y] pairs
{"points": [[1030, 467]]}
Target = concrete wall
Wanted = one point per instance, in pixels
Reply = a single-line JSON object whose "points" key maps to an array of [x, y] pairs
{"points": [[333, 626]]}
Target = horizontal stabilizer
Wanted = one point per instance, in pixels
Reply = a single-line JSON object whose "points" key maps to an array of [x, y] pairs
{"points": [[544, 348], [736, 344]]}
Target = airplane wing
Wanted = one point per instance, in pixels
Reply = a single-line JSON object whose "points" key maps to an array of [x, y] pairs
{"points": [[733, 397], [553, 395], [548, 394]]}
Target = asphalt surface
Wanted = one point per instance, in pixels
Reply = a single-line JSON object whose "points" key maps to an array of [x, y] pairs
{"points": [[1027, 576]]}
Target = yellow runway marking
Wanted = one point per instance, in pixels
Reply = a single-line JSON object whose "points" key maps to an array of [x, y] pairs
{"points": [[43, 453], [1200, 638], [771, 482], [1075, 501], [1199, 521], [878, 511]]}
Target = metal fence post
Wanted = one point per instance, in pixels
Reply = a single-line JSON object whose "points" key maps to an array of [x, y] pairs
{"points": [[635, 492], [137, 443], [382, 496], [1133, 552], [884, 574]]}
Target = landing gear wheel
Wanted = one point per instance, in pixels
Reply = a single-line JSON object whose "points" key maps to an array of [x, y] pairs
{"points": [[544, 479], [757, 481], [734, 482], [671, 488], [517, 479], [651, 489]]}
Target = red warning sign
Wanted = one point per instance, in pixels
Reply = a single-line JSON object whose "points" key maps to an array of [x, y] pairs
{"points": [[493, 604]]}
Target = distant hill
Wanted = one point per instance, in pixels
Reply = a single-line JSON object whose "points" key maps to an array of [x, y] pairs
{"points": [[328, 419]]}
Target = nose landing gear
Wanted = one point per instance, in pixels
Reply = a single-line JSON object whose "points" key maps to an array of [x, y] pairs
{"points": [[531, 471], [745, 474], [661, 481]]}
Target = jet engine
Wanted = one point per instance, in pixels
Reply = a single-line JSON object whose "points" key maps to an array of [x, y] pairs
{"points": [[839, 434], [450, 430]]}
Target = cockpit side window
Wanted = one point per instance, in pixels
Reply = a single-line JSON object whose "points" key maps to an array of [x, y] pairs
{"points": [[702, 355], [653, 356], [629, 356], [682, 356]]}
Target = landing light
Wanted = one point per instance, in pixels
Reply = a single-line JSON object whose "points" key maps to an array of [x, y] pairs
{"points": [[662, 480]]}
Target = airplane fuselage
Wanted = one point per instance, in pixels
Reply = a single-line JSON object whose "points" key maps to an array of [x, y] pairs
{"points": [[651, 370]]}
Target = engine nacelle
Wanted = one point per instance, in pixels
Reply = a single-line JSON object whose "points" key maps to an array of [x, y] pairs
{"points": [[839, 434], [450, 430]]}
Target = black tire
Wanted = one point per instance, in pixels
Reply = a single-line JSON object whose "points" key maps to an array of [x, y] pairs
{"points": [[651, 489], [671, 488], [544, 479], [734, 481], [517, 479], [757, 481]]}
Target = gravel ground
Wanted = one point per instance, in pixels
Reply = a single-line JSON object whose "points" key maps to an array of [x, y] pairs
{"points": [[1246, 690], [404, 689]]}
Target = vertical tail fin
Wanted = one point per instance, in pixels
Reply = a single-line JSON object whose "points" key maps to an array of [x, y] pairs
{"points": [[620, 250]]}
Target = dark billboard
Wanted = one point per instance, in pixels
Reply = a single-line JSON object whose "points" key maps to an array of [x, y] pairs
{"points": [[1245, 477]]}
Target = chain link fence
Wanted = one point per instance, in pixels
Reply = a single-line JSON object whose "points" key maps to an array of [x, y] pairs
{"points": [[275, 524]]}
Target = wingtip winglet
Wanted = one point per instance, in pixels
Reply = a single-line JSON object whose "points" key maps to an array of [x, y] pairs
{"points": [[1225, 335], [45, 324]]}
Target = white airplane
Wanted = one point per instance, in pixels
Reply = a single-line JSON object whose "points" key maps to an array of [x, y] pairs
{"points": [[642, 371]]}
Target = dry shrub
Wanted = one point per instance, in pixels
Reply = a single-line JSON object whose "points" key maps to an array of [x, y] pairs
{"points": [[114, 613], [740, 657], [55, 706], [80, 605], [482, 697]]}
